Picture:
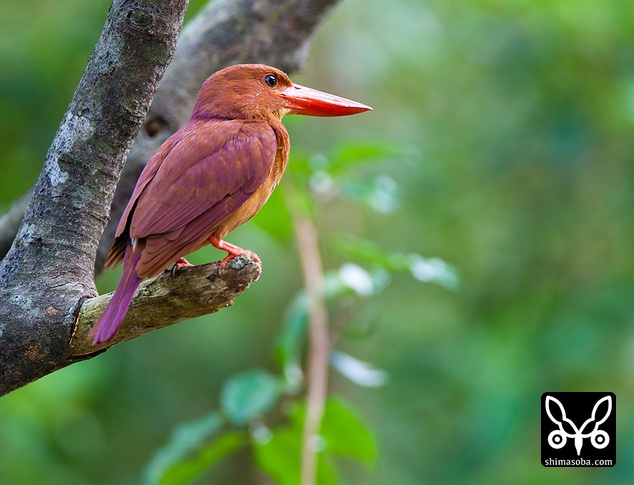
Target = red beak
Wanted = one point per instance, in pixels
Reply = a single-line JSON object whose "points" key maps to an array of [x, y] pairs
{"points": [[306, 101]]}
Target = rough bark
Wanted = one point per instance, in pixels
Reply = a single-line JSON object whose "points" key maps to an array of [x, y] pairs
{"points": [[169, 298], [48, 273], [49, 269]]}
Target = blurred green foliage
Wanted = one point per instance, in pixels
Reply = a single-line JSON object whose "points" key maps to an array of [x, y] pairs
{"points": [[501, 139]]}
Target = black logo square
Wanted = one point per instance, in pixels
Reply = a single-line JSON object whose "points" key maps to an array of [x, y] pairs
{"points": [[578, 429]]}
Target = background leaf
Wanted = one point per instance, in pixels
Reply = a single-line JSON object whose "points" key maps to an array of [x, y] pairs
{"points": [[358, 371], [429, 270], [185, 471], [186, 439], [512, 122], [249, 395], [290, 341], [346, 433], [280, 457]]}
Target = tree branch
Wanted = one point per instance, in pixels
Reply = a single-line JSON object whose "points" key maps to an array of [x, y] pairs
{"points": [[167, 299], [48, 272]]}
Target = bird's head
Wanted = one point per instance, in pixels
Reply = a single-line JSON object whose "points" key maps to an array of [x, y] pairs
{"points": [[256, 91]]}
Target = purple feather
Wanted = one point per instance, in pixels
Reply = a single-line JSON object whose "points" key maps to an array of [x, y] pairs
{"points": [[110, 319]]}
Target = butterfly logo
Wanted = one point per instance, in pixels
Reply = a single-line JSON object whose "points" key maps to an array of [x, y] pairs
{"points": [[567, 429]]}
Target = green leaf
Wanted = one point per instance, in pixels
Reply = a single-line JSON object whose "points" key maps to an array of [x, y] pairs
{"points": [[187, 470], [345, 432], [350, 153], [379, 193], [342, 428], [364, 283], [342, 431], [290, 341], [274, 218], [367, 251], [249, 395], [185, 440], [358, 371], [433, 270], [349, 280], [428, 270], [280, 458]]}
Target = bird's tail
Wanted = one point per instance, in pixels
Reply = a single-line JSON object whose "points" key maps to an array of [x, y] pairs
{"points": [[110, 319]]}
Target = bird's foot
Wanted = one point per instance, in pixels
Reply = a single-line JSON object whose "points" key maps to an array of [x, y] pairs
{"points": [[232, 255], [180, 264], [233, 251]]}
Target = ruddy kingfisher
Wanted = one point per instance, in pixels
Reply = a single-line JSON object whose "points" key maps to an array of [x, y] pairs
{"points": [[209, 177]]}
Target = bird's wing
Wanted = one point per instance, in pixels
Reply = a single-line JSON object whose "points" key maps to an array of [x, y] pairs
{"points": [[121, 240], [208, 170]]}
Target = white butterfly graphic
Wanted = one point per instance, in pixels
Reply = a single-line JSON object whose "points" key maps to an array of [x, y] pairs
{"points": [[557, 438]]}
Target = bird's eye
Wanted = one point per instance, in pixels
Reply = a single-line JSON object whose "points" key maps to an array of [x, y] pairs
{"points": [[270, 80]]}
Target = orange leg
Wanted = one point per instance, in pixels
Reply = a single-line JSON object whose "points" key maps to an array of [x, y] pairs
{"points": [[180, 264], [232, 250]]}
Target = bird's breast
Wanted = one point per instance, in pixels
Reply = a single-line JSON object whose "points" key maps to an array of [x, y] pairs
{"points": [[254, 203]]}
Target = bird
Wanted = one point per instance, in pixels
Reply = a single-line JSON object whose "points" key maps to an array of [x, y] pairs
{"points": [[209, 177]]}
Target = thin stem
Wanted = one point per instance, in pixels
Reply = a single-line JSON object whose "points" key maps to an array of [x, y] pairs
{"points": [[318, 345]]}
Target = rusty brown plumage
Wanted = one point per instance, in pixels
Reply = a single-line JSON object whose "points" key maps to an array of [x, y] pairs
{"points": [[211, 176]]}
